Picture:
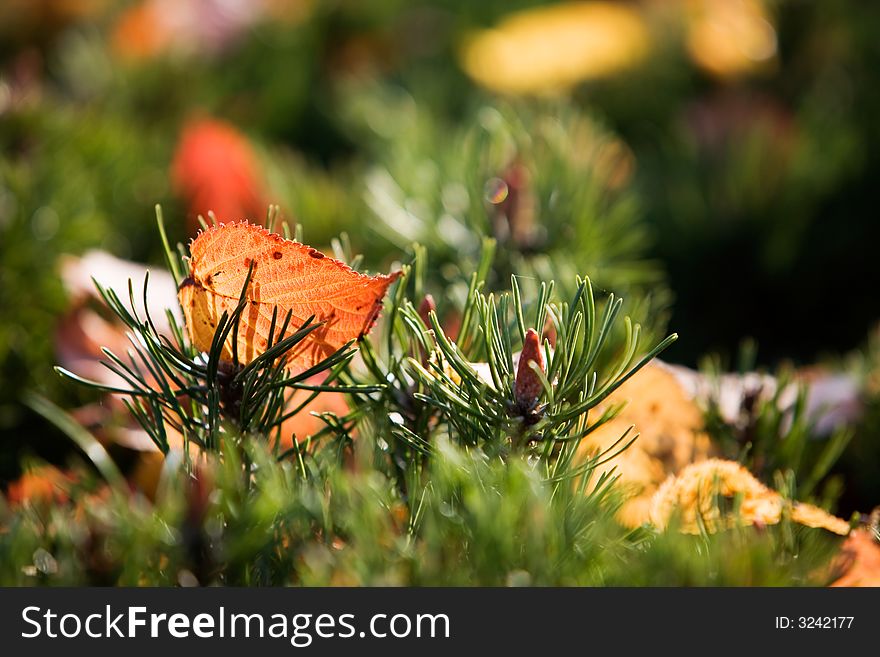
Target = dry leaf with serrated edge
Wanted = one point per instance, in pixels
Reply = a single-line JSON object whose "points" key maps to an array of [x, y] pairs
{"points": [[288, 275]]}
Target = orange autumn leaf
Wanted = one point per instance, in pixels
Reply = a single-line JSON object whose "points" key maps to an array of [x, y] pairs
{"points": [[692, 497], [288, 275]]}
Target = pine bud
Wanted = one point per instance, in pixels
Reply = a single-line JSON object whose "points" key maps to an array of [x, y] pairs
{"points": [[527, 387]]}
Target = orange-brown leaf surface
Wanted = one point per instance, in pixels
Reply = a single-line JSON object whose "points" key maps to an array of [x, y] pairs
{"points": [[288, 275]]}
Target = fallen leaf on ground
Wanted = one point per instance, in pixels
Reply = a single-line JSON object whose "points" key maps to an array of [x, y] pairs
{"points": [[692, 499], [80, 273], [671, 436], [86, 327]]}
